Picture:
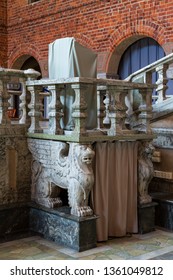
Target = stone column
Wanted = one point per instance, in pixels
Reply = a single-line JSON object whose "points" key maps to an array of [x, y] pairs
{"points": [[117, 111], [25, 98], [35, 107], [106, 102], [161, 82], [145, 110], [22, 104], [55, 110], [79, 106], [101, 93]]}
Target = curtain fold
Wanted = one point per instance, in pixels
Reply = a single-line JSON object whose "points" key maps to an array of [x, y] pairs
{"points": [[114, 195]]}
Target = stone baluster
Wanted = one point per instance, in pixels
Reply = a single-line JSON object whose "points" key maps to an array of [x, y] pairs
{"points": [[106, 101], [148, 77], [35, 106], [41, 97], [55, 110], [145, 109], [101, 92], [79, 107], [4, 102], [117, 111], [161, 82], [22, 103], [24, 98]]}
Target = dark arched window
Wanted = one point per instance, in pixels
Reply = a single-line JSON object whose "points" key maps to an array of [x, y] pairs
{"points": [[138, 55]]}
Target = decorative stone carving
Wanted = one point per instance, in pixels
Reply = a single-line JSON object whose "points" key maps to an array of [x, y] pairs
{"points": [[61, 165], [15, 173], [145, 171]]}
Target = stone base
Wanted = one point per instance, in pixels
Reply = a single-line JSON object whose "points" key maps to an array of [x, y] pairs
{"points": [[62, 228], [19, 221], [146, 217], [164, 210], [14, 221]]}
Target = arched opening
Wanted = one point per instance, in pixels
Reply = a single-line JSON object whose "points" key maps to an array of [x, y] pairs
{"points": [[23, 63], [31, 62], [138, 55]]}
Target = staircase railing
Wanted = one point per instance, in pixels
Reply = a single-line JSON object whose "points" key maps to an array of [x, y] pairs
{"points": [[162, 68]]}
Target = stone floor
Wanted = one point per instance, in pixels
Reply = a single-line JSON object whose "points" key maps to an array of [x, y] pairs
{"points": [[157, 245]]}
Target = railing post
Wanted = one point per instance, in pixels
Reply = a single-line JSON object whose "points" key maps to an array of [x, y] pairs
{"points": [[22, 104], [55, 110], [35, 107], [24, 98], [145, 109], [4, 101], [101, 92], [161, 82], [106, 101], [117, 111], [79, 107]]}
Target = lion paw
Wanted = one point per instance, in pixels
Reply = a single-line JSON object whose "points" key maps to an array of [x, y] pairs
{"points": [[82, 211], [54, 202], [145, 199]]}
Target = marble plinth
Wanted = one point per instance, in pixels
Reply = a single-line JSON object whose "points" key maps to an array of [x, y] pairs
{"points": [[146, 217], [58, 225], [164, 210], [14, 221]]}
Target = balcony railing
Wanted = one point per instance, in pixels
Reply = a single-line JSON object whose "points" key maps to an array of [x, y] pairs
{"points": [[112, 106]]}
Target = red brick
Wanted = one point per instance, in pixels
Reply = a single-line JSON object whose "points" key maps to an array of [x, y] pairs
{"points": [[103, 26]]}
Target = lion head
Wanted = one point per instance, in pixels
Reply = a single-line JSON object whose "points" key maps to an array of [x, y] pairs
{"points": [[83, 156]]}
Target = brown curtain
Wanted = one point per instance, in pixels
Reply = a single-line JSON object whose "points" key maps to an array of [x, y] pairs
{"points": [[114, 195]]}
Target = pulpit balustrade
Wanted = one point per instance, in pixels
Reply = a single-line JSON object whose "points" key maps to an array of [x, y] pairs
{"points": [[112, 104], [115, 112]]}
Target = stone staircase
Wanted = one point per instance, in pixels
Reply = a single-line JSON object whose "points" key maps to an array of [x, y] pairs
{"points": [[161, 186]]}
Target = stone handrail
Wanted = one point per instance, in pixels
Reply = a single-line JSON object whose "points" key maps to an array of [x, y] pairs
{"points": [[161, 67]]}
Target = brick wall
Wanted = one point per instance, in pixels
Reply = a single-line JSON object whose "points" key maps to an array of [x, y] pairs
{"points": [[3, 33], [107, 27]]}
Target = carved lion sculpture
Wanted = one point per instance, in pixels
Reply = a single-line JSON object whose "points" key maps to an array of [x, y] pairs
{"points": [[60, 165], [145, 171]]}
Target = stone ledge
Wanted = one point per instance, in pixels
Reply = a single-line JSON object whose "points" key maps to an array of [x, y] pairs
{"points": [[92, 138]]}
